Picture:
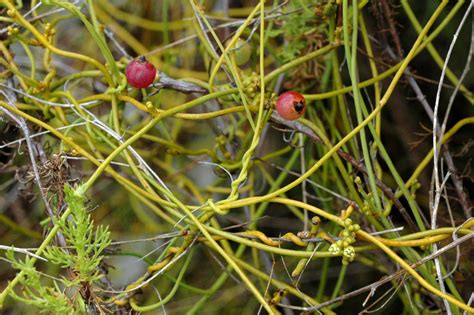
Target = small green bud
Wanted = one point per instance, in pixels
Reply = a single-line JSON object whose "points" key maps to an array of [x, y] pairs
{"points": [[334, 248], [349, 253], [347, 222], [242, 52]]}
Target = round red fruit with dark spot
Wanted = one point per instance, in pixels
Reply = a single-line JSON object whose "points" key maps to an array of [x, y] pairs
{"points": [[291, 105], [140, 73]]}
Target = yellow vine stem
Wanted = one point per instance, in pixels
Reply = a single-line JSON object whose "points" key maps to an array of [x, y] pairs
{"points": [[295, 239], [230, 45], [281, 285], [432, 50], [156, 111], [221, 251], [54, 49], [373, 69], [266, 240], [412, 243], [104, 166], [142, 22], [123, 34], [425, 238], [412, 271], [148, 126], [356, 130], [9, 59], [130, 161], [273, 248], [267, 248], [428, 158], [224, 54], [141, 49], [385, 74], [18, 228], [241, 178], [38, 252], [246, 159], [125, 182]]}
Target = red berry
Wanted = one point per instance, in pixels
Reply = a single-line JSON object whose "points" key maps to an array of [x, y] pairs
{"points": [[140, 73], [291, 105]]}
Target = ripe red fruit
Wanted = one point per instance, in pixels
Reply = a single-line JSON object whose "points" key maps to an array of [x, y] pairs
{"points": [[140, 73], [291, 105]]}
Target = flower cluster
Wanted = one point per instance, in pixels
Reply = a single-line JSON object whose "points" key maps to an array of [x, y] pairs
{"points": [[343, 245], [252, 84]]}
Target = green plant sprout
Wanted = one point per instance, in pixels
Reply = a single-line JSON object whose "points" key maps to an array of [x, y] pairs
{"points": [[82, 258]]}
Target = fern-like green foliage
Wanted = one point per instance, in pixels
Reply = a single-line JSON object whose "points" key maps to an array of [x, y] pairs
{"points": [[86, 243], [297, 26], [47, 299], [82, 256]]}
